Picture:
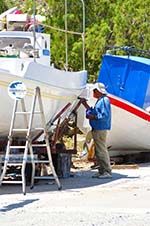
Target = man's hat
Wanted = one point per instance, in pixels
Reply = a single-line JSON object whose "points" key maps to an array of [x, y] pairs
{"points": [[100, 87]]}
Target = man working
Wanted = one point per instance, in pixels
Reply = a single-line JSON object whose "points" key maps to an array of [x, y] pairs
{"points": [[100, 121]]}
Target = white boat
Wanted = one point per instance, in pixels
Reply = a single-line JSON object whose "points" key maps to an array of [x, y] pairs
{"points": [[25, 57]]}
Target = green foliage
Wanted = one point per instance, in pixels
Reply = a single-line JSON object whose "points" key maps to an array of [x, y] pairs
{"points": [[108, 23], [3, 6]]}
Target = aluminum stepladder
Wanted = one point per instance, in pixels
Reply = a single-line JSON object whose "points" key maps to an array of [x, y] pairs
{"points": [[28, 147]]}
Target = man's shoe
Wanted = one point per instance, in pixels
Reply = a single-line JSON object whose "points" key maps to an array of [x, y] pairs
{"points": [[105, 175], [96, 175], [95, 166]]}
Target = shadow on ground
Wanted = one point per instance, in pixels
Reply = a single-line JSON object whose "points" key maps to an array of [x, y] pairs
{"points": [[77, 180], [17, 205]]}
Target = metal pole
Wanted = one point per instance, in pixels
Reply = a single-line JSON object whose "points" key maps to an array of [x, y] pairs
{"points": [[66, 35], [83, 34]]}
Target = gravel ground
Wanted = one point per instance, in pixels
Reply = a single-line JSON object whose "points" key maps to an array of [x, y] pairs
{"points": [[83, 201]]}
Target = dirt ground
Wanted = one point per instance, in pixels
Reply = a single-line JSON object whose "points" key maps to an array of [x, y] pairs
{"points": [[83, 200]]}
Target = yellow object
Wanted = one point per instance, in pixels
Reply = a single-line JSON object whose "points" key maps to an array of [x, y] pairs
{"points": [[91, 151]]}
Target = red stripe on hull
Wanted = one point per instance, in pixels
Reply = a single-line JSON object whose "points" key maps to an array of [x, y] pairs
{"points": [[129, 108]]}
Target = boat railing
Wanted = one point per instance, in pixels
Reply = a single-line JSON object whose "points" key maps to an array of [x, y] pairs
{"points": [[129, 50], [19, 53]]}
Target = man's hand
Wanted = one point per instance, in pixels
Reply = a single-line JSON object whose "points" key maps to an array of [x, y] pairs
{"points": [[90, 116], [82, 99], [84, 102]]}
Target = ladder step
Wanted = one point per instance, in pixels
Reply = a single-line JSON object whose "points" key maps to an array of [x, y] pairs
{"points": [[23, 147], [14, 164], [37, 129], [25, 130], [41, 161], [20, 163], [13, 175], [27, 112], [39, 145], [11, 182], [44, 177], [20, 130]]}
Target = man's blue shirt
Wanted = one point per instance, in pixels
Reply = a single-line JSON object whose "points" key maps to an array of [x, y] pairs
{"points": [[102, 113]]}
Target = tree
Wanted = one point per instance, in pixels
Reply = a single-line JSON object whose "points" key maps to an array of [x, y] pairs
{"points": [[3, 6], [108, 23]]}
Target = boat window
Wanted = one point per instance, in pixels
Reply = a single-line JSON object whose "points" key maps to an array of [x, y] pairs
{"points": [[16, 25], [17, 47], [17, 42], [45, 44]]}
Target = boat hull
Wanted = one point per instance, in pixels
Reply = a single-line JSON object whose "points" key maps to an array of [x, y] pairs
{"points": [[130, 127], [54, 98]]}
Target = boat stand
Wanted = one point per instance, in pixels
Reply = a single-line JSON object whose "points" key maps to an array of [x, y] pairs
{"points": [[61, 125], [28, 156]]}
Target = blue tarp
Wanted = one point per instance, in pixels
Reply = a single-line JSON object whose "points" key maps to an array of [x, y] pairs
{"points": [[127, 77]]}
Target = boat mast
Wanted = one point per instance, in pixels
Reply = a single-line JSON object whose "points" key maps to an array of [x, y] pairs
{"points": [[34, 34], [66, 36], [82, 34]]}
